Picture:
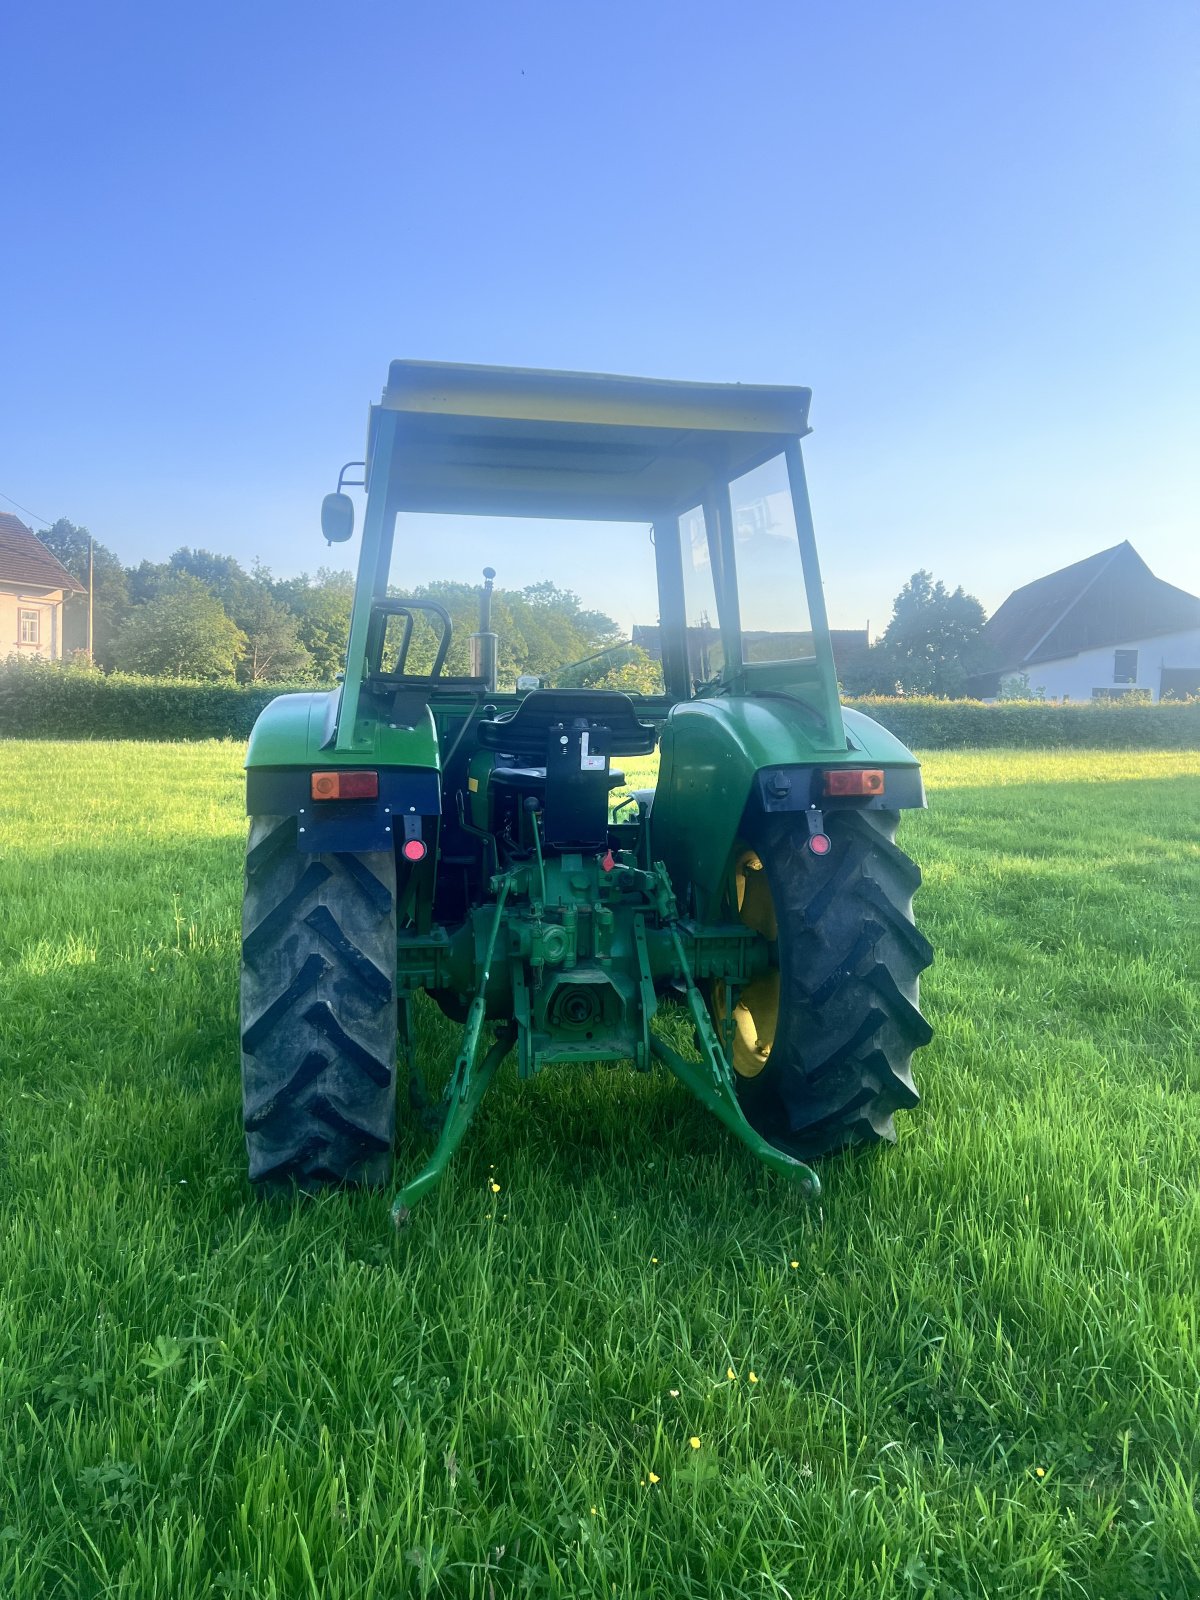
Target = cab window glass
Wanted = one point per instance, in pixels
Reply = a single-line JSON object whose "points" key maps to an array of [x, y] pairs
{"points": [[771, 593], [574, 603], [705, 655]]}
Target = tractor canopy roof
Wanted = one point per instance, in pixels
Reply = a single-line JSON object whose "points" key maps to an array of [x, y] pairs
{"points": [[511, 441]]}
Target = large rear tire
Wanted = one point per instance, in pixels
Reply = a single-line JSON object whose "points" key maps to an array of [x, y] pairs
{"points": [[823, 1043], [318, 1011]]}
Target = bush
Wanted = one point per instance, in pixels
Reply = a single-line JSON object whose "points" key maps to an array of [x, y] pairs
{"points": [[39, 700], [928, 724]]}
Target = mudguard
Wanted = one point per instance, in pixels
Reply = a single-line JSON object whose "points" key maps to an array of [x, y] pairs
{"points": [[297, 730], [294, 735], [712, 753]]}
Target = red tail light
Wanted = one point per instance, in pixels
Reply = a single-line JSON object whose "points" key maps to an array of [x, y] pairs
{"points": [[414, 849], [854, 781], [345, 786]]}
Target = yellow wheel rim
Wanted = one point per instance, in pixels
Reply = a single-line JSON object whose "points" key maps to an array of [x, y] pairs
{"points": [[756, 1014]]}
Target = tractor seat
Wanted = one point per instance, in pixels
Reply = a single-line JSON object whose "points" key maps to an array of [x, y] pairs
{"points": [[562, 741], [524, 734]]}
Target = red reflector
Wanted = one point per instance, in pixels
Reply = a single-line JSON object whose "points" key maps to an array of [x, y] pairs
{"points": [[820, 844], [854, 780], [345, 786], [414, 850]]}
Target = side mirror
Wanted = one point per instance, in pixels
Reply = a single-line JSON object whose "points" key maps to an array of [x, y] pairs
{"points": [[337, 517]]}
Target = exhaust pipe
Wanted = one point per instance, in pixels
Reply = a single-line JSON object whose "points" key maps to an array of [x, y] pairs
{"points": [[485, 644]]}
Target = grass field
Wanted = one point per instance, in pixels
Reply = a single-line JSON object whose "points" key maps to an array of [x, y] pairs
{"points": [[973, 1373]]}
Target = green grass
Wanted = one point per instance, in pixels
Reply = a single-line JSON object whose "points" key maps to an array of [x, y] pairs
{"points": [[978, 1363]]}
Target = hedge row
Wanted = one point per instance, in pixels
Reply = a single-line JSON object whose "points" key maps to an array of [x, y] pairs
{"points": [[44, 702], [39, 702], [928, 724]]}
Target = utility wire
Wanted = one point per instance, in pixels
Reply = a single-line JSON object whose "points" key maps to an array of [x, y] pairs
{"points": [[45, 521]]}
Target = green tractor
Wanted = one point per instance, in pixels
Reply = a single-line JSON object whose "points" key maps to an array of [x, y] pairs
{"points": [[423, 828]]}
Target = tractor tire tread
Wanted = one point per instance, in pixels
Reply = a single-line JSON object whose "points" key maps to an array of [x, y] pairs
{"points": [[873, 892], [283, 911], [282, 837], [319, 1012], [850, 958], [373, 978]]}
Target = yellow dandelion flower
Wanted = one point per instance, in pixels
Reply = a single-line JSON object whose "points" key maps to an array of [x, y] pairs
{"points": [[653, 1261], [1041, 1471], [694, 1441], [793, 1265], [654, 1478], [495, 1187], [731, 1374], [674, 1393], [593, 1511], [754, 1377]]}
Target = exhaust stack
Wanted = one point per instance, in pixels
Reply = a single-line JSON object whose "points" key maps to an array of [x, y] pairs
{"points": [[485, 644]]}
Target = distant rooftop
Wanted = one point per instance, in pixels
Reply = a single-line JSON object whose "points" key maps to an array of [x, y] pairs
{"points": [[758, 644], [1110, 598], [24, 559]]}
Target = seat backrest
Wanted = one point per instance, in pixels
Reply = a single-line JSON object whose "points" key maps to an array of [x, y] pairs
{"points": [[571, 734]]}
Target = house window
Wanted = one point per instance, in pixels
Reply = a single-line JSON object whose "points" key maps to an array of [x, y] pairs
{"points": [[29, 624], [1124, 666]]}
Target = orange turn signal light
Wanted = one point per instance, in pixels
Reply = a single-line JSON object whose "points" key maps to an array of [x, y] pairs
{"points": [[345, 786], [854, 781]]}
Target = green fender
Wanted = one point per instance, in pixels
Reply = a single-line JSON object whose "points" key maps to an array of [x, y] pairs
{"points": [[712, 750], [297, 730]]}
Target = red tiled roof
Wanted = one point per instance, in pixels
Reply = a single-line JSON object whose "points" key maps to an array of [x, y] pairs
{"points": [[25, 559]]}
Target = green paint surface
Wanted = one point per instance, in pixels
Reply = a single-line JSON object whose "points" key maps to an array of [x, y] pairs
{"points": [[710, 753], [294, 731]]}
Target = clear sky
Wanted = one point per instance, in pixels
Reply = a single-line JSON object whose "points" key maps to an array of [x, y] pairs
{"points": [[972, 228]]}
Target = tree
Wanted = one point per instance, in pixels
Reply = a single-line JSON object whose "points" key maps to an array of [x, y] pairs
{"points": [[631, 669], [321, 606], [555, 630], [146, 580], [932, 644], [541, 629], [273, 651], [1016, 686], [223, 575], [111, 590], [182, 633]]}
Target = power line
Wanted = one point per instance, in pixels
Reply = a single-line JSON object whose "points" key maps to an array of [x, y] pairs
{"points": [[45, 521]]}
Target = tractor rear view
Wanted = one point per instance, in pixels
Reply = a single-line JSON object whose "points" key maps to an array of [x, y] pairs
{"points": [[423, 828]]}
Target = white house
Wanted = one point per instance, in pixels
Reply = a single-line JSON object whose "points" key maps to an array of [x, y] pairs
{"points": [[33, 584], [1098, 628]]}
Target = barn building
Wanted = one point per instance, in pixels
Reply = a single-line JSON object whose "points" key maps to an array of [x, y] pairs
{"points": [[1096, 629]]}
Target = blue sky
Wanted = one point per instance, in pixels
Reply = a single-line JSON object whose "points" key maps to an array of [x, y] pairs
{"points": [[972, 229]]}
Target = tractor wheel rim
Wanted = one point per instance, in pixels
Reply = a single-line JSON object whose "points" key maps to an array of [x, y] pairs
{"points": [[756, 1014]]}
